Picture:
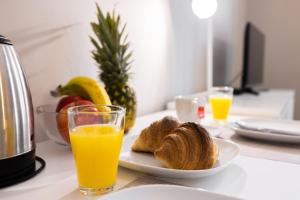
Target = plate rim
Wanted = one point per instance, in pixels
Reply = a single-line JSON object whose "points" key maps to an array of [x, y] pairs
{"points": [[269, 120], [170, 186]]}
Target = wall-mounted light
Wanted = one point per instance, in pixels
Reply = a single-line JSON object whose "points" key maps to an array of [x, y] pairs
{"points": [[205, 9]]}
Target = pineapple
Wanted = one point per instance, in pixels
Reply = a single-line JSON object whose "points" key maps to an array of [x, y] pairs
{"points": [[113, 58]]}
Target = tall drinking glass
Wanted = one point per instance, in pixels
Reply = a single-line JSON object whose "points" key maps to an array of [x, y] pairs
{"points": [[96, 133], [220, 99]]}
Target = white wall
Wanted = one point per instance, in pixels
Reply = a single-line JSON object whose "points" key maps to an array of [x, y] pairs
{"points": [[52, 40], [279, 20], [167, 39]]}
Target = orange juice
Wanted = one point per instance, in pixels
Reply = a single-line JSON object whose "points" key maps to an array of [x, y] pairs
{"points": [[220, 106], [96, 149]]}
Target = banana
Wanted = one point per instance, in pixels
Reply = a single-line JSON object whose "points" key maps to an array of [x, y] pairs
{"points": [[85, 87]]}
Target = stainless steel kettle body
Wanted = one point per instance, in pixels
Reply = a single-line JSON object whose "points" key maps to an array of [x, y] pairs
{"points": [[17, 146]]}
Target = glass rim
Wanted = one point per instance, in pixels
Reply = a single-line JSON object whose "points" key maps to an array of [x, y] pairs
{"points": [[225, 88], [198, 97], [119, 109]]}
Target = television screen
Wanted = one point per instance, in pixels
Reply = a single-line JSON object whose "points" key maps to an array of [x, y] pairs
{"points": [[253, 70]]}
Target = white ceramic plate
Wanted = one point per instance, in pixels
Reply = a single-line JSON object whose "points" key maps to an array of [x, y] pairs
{"points": [[145, 162], [276, 126], [266, 136], [163, 192]]}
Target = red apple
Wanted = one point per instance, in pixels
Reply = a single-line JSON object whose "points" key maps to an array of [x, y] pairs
{"points": [[86, 116], [66, 100], [62, 117]]}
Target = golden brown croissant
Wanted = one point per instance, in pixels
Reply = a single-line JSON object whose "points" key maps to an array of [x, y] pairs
{"points": [[152, 136], [188, 147]]}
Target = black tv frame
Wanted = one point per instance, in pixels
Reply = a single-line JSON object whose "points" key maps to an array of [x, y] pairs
{"points": [[244, 76]]}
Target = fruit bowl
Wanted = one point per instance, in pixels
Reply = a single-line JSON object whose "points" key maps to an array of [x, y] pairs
{"points": [[47, 119]]}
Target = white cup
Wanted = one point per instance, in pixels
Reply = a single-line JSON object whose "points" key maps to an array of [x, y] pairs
{"points": [[190, 109]]}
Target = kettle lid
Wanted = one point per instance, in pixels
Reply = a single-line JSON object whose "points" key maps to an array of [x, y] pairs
{"points": [[4, 40]]}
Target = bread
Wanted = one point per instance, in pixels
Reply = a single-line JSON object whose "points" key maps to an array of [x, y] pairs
{"points": [[151, 137], [188, 147]]}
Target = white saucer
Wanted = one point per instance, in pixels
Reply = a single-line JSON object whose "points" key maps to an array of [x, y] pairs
{"points": [[145, 162], [213, 131]]}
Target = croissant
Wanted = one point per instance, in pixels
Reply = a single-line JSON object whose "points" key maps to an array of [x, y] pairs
{"points": [[152, 136], [188, 147]]}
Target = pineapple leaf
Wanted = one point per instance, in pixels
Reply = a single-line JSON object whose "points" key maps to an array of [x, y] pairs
{"points": [[111, 49], [98, 48]]}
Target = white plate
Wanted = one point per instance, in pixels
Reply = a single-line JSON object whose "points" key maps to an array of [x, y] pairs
{"points": [[145, 162], [276, 126], [164, 192], [266, 136]]}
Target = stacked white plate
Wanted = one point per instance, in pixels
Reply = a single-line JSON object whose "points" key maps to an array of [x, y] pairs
{"points": [[269, 129]]}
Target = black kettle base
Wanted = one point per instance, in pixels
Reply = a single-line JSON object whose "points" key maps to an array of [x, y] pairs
{"points": [[22, 174]]}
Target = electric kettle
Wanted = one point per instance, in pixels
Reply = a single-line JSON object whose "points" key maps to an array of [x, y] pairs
{"points": [[17, 145]]}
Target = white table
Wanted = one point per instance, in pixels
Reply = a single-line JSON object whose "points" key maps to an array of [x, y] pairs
{"points": [[272, 103], [248, 178]]}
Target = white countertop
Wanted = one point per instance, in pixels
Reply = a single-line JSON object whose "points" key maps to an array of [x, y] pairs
{"points": [[273, 103], [247, 178], [270, 103]]}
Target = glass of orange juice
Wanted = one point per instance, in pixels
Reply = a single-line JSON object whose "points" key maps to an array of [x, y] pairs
{"points": [[96, 134], [220, 99]]}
